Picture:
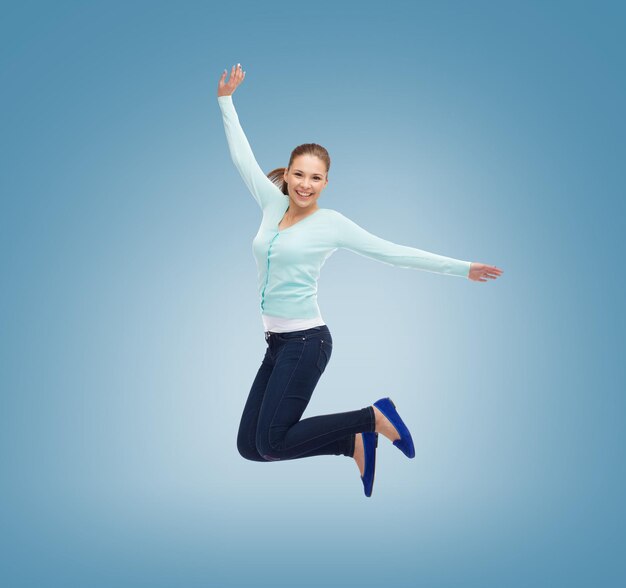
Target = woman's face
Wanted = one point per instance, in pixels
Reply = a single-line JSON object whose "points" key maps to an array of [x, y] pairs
{"points": [[306, 178]]}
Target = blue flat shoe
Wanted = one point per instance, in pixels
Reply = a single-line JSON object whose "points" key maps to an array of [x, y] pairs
{"points": [[370, 443], [405, 443]]}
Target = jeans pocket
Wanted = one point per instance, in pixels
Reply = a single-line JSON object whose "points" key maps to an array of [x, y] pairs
{"points": [[325, 351]]}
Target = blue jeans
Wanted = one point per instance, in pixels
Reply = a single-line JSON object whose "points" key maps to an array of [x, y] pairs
{"points": [[270, 427]]}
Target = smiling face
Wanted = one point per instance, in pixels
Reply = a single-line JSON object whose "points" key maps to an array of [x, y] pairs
{"points": [[306, 178]]}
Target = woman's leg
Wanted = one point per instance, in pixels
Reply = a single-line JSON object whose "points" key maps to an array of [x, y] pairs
{"points": [[300, 358], [247, 434], [246, 437]]}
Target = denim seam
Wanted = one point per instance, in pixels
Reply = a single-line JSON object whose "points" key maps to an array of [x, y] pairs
{"points": [[309, 337], [252, 432], [323, 351], [352, 444], [373, 418], [288, 335], [269, 429], [322, 435]]}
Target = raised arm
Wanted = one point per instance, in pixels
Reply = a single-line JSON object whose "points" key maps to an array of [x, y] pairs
{"points": [[351, 236], [262, 188]]}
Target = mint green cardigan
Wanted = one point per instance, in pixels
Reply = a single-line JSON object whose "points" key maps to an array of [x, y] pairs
{"points": [[289, 261]]}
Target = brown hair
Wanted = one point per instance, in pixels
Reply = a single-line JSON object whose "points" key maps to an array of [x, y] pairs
{"points": [[277, 175]]}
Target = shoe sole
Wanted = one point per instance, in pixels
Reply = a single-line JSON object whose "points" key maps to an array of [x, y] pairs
{"points": [[374, 465]]}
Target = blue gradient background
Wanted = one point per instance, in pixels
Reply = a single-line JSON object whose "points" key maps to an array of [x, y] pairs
{"points": [[131, 333]]}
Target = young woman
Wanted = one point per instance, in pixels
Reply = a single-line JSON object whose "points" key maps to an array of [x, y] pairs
{"points": [[294, 240]]}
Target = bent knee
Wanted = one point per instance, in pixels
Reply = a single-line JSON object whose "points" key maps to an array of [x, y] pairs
{"points": [[268, 452], [248, 452]]}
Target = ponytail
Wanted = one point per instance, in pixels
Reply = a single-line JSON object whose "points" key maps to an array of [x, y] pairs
{"points": [[277, 176]]}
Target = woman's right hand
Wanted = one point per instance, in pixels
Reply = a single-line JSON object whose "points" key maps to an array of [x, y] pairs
{"points": [[236, 77]]}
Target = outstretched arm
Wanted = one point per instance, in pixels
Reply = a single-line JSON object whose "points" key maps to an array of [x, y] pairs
{"points": [[351, 236], [261, 187]]}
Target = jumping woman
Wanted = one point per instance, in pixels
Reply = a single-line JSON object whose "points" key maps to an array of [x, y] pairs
{"points": [[294, 240]]}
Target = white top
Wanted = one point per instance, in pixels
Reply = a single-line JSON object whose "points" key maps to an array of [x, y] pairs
{"points": [[278, 324]]}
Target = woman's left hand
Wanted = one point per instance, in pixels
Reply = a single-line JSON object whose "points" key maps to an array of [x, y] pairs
{"points": [[480, 272]]}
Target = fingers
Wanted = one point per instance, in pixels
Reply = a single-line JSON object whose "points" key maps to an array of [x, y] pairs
{"points": [[490, 272], [239, 73], [483, 272], [236, 77]]}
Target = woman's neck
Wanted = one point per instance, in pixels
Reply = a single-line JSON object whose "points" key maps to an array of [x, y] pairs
{"points": [[289, 215]]}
